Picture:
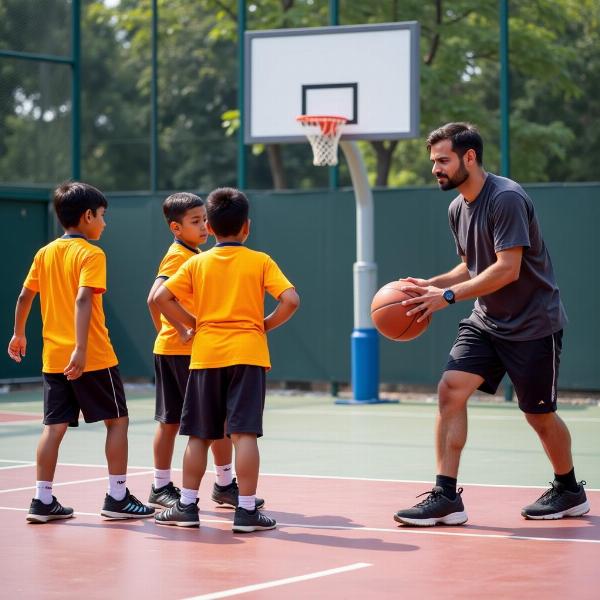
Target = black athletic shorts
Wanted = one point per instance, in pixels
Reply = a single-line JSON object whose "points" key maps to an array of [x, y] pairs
{"points": [[235, 395], [171, 374], [532, 365], [98, 394]]}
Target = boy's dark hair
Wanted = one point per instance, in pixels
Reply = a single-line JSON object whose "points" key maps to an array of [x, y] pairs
{"points": [[464, 136], [73, 198], [176, 205], [227, 211]]}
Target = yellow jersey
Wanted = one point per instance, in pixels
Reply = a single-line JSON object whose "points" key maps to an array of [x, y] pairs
{"points": [[168, 340], [58, 271], [227, 285]]}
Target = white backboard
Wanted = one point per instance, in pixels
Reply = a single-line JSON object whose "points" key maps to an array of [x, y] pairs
{"points": [[366, 73]]}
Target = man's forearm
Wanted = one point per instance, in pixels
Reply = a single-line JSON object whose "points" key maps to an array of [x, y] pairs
{"points": [[493, 278], [459, 274]]}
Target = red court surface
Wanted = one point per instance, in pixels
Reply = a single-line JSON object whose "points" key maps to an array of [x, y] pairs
{"points": [[336, 539]]}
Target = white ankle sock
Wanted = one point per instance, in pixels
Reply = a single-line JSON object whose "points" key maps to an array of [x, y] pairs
{"points": [[116, 486], [247, 502], [224, 474], [43, 491], [188, 496], [162, 477]]}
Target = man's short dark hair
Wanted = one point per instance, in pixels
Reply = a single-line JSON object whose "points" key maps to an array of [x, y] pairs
{"points": [[73, 198], [227, 211], [176, 205], [464, 136]]}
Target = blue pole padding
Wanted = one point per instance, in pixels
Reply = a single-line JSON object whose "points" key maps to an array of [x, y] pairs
{"points": [[365, 365]]}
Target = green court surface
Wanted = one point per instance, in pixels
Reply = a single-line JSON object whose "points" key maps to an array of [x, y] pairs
{"points": [[310, 435]]}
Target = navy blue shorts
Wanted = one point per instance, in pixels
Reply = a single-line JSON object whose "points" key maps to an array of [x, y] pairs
{"points": [[532, 365], [233, 395], [99, 395]]}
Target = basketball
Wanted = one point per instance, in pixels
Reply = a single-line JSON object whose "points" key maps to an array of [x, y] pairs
{"points": [[389, 316]]}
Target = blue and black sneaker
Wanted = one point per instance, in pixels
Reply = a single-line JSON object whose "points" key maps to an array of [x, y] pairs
{"points": [[42, 513], [128, 508], [180, 515], [165, 496]]}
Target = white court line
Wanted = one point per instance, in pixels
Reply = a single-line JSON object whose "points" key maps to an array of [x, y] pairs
{"points": [[29, 464], [32, 487], [278, 582], [395, 530], [305, 476]]}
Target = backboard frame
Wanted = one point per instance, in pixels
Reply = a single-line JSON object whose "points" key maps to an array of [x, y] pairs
{"points": [[414, 77]]}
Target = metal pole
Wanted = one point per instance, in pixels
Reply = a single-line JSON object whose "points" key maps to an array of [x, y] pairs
{"points": [[241, 154], [154, 102], [505, 124], [334, 19], [76, 90]]}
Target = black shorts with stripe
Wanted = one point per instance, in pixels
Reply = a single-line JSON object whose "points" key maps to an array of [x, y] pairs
{"points": [[171, 374], [99, 395], [233, 395], [532, 365]]}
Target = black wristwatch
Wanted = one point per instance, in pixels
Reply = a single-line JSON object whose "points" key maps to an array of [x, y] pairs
{"points": [[448, 296]]}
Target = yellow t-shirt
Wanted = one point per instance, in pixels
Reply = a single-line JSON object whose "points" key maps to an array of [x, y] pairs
{"points": [[168, 340], [227, 285], [58, 271]]}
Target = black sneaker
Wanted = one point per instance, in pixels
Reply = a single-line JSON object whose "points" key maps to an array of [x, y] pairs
{"points": [[42, 513], [128, 508], [436, 508], [181, 515], [246, 521], [165, 496], [229, 494], [558, 502]]}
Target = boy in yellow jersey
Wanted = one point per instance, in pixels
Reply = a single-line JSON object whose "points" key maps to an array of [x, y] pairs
{"points": [[186, 216], [80, 369], [230, 355]]}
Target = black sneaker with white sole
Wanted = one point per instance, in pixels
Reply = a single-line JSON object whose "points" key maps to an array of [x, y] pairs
{"points": [[128, 508], [165, 496], [229, 494], [436, 509], [558, 502], [180, 515], [42, 513], [246, 521]]}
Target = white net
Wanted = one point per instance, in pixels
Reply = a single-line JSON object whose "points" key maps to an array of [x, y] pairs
{"points": [[323, 133]]}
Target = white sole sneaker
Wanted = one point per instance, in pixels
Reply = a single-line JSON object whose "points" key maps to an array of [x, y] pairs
{"points": [[457, 518], [575, 511], [251, 528], [46, 518], [110, 515], [178, 523]]}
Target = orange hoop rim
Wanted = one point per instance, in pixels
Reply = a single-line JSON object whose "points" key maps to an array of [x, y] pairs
{"points": [[328, 123]]}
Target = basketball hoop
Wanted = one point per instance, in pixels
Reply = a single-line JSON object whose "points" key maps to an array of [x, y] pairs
{"points": [[323, 133]]}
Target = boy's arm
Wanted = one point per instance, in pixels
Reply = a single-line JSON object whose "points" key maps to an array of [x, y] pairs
{"points": [[289, 301], [181, 319], [18, 343], [83, 313], [154, 310]]}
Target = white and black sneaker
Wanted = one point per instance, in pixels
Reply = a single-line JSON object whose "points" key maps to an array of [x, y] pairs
{"points": [[180, 515], [558, 502], [228, 495], [246, 521], [436, 509], [165, 496], [128, 508], [42, 513]]}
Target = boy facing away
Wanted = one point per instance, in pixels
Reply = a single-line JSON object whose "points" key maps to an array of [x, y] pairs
{"points": [[186, 216], [230, 355], [79, 369]]}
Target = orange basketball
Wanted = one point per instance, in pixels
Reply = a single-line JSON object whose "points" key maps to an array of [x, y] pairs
{"points": [[389, 316]]}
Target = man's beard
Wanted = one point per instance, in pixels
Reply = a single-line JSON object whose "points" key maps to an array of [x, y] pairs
{"points": [[458, 179]]}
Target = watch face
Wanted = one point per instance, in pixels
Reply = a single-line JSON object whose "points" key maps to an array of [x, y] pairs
{"points": [[448, 295]]}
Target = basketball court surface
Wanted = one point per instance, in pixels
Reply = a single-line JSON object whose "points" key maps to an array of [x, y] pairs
{"points": [[333, 477]]}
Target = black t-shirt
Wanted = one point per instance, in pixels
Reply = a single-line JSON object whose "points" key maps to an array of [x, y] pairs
{"points": [[503, 217]]}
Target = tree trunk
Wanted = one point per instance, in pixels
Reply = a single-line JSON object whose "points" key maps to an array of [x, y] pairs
{"points": [[276, 166], [384, 152]]}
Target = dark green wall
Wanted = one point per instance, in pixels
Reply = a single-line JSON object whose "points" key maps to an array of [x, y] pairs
{"points": [[312, 237]]}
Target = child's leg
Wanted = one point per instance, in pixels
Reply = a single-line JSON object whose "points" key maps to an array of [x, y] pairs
{"points": [[247, 462], [164, 445], [116, 450], [194, 462], [47, 457], [222, 451]]}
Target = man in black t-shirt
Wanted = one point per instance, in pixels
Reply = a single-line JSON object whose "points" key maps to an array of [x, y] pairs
{"points": [[515, 327]]}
